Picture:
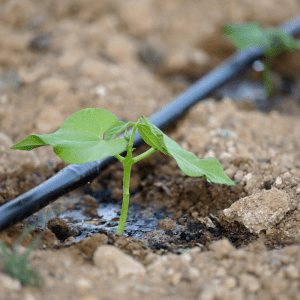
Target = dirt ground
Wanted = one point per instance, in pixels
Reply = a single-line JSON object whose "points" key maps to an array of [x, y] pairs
{"points": [[132, 57]]}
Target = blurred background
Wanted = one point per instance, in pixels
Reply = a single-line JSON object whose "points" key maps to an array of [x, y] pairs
{"points": [[130, 57]]}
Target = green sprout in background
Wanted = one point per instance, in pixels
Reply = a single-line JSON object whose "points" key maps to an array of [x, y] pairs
{"points": [[274, 41], [17, 266], [80, 140]]}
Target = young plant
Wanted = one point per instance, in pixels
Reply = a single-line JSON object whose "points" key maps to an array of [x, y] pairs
{"points": [[274, 41], [17, 266], [80, 140]]}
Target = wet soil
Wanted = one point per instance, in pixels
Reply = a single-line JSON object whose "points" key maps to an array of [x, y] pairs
{"points": [[184, 238]]}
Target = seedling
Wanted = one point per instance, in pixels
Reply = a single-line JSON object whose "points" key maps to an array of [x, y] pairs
{"points": [[274, 41], [80, 140], [17, 266]]}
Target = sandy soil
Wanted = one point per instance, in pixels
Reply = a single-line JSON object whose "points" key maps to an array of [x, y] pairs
{"points": [[131, 58]]}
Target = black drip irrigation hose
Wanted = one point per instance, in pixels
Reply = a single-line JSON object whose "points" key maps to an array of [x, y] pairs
{"points": [[75, 176]]}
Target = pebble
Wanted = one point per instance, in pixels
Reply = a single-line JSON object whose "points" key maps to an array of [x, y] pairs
{"points": [[193, 273], [138, 16], [91, 68], [278, 181], [182, 220], [268, 178], [230, 282], [259, 211], [40, 43], [291, 272], [207, 222], [83, 283], [221, 249], [120, 49], [198, 137], [125, 265], [239, 175], [53, 86], [9, 282], [249, 282]]}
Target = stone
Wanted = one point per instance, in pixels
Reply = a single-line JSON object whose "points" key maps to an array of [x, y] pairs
{"points": [[9, 282], [49, 120], [221, 249], [138, 16], [249, 282], [91, 68], [114, 258], [120, 48], [198, 137], [259, 211], [53, 86]]}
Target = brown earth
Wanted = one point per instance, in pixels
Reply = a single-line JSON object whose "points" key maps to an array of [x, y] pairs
{"points": [[132, 58]]}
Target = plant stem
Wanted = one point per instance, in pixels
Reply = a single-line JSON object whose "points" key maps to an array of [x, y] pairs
{"points": [[267, 75], [119, 157], [127, 169], [128, 161], [143, 155]]}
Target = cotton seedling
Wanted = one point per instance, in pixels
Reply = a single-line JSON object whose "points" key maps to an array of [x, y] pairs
{"points": [[274, 41], [80, 140]]}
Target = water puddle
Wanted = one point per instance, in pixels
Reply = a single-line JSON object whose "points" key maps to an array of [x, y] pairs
{"points": [[104, 217]]}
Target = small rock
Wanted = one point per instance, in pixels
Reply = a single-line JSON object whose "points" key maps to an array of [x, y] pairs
{"points": [[53, 86], [249, 282], [182, 220], [83, 283], [166, 224], [49, 120], [259, 211], [268, 178], [291, 272], [9, 282], [221, 248], [70, 58], [120, 49], [40, 43], [156, 268], [125, 265], [239, 175], [91, 68], [195, 215], [207, 222], [198, 137], [278, 181], [186, 60], [257, 247], [89, 245], [193, 273], [230, 282], [152, 56], [90, 200], [138, 16]]}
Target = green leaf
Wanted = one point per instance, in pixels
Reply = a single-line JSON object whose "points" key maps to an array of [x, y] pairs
{"points": [[194, 167], [247, 35], [80, 138], [273, 40], [187, 161], [152, 135], [115, 129]]}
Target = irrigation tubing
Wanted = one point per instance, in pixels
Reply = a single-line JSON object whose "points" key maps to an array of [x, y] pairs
{"points": [[75, 176]]}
